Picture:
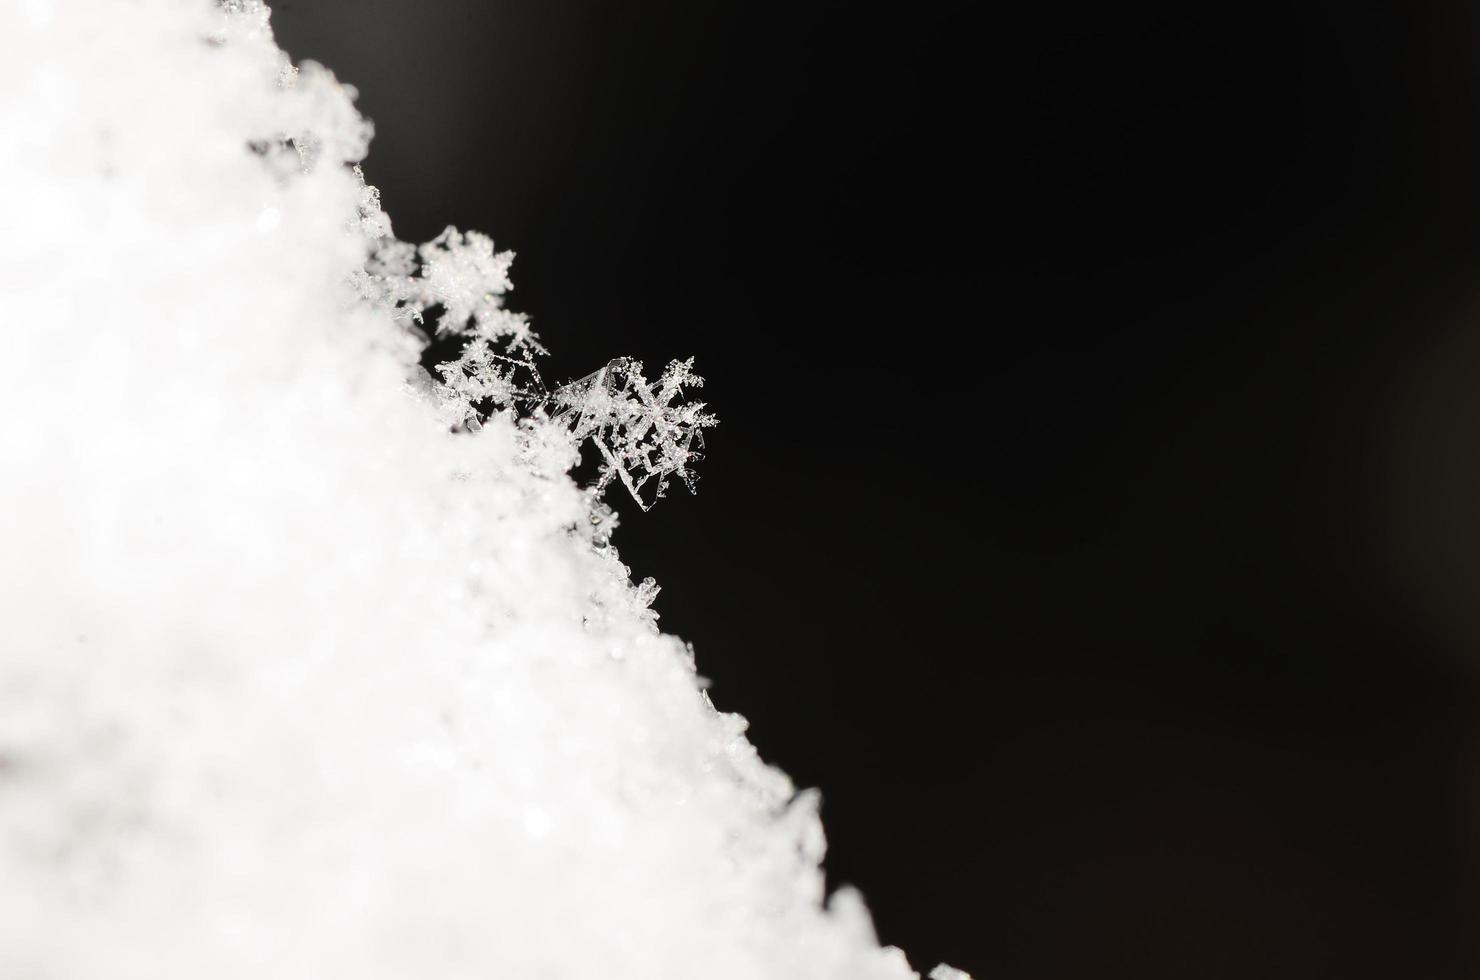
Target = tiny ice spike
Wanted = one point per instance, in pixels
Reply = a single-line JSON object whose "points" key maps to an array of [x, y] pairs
{"points": [[643, 438]]}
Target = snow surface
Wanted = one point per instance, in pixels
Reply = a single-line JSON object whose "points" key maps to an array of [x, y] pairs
{"points": [[311, 667]]}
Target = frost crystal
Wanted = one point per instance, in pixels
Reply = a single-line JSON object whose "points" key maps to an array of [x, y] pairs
{"points": [[643, 437], [461, 273], [299, 680]]}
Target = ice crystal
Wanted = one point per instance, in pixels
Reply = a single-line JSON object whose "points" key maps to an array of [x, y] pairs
{"points": [[461, 273], [642, 436]]}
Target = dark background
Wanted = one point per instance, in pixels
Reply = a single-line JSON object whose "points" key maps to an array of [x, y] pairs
{"points": [[1095, 515]]}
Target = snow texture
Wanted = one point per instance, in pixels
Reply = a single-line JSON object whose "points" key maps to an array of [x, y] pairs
{"points": [[311, 666]]}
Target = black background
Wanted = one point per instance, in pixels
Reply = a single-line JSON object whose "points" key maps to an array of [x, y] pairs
{"points": [[1094, 512]]}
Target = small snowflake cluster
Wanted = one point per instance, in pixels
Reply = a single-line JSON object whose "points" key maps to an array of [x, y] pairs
{"points": [[643, 431], [461, 274]]}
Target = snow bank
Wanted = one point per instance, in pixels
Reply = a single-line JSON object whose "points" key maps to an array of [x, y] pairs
{"points": [[310, 668]]}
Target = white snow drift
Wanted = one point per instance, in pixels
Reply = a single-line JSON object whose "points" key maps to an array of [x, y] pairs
{"points": [[310, 668]]}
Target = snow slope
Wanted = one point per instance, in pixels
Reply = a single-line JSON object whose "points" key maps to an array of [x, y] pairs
{"points": [[310, 667]]}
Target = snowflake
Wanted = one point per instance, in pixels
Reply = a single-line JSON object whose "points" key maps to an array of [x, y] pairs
{"points": [[484, 381], [643, 438], [458, 272], [644, 432]]}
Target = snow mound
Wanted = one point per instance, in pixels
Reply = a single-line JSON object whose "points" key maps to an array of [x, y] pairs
{"points": [[310, 669]]}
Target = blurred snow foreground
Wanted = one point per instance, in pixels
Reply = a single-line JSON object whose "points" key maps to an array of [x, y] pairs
{"points": [[309, 668]]}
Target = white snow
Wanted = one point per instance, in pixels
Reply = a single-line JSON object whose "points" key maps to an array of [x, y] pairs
{"points": [[295, 680]]}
